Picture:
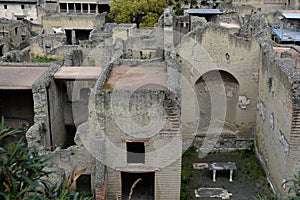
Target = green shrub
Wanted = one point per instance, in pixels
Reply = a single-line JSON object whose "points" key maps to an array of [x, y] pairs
{"points": [[23, 174]]}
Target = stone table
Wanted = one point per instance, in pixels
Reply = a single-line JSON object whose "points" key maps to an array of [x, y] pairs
{"points": [[222, 166]]}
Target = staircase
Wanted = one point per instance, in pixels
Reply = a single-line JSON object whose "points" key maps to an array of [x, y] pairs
{"points": [[172, 125], [295, 131]]}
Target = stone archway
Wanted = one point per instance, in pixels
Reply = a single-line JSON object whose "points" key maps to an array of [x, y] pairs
{"points": [[228, 85]]}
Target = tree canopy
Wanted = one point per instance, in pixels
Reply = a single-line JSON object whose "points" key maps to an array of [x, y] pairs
{"points": [[145, 13]]}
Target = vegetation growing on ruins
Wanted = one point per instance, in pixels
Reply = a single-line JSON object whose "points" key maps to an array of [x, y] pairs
{"points": [[145, 13], [23, 173], [39, 59]]}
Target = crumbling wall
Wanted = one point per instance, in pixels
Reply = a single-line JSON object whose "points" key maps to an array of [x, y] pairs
{"points": [[214, 48], [276, 108], [73, 58], [160, 149], [39, 134], [47, 45]]}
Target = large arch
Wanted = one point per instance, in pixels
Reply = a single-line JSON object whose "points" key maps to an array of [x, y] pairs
{"points": [[221, 83]]}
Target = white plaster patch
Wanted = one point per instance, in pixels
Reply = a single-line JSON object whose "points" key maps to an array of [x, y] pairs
{"points": [[244, 102], [272, 120], [284, 142], [58, 30], [262, 109]]}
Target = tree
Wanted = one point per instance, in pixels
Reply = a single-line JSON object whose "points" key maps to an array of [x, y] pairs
{"points": [[23, 174], [144, 13]]}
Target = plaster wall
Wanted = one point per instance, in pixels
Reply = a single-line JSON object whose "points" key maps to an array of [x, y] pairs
{"points": [[213, 48], [13, 11]]}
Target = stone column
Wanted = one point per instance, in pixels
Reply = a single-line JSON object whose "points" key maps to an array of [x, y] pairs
{"points": [[67, 8], [73, 37], [89, 8], [81, 7]]}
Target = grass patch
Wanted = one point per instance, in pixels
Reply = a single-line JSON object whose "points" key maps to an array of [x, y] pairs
{"points": [[187, 172], [39, 59], [92, 63]]}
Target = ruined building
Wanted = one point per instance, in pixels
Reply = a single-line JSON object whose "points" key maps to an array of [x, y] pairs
{"points": [[127, 101]]}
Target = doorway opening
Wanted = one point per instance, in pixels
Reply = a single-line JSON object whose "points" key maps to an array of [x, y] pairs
{"points": [[141, 185]]}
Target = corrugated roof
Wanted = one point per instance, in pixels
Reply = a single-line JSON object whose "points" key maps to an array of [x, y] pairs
{"points": [[20, 78], [18, 1], [291, 14], [204, 11], [78, 73]]}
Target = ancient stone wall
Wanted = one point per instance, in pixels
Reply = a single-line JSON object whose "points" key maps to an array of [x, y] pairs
{"points": [[214, 48], [72, 22], [13, 10], [39, 134], [160, 149]]}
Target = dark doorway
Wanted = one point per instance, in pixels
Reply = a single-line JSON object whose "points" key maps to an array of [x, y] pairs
{"points": [[103, 8], [83, 184], [1, 50], [71, 7], [93, 8], [78, 7], [82, 35], [70, 134], [69, 36], [63, 7], [141, 185], [135, 152]]}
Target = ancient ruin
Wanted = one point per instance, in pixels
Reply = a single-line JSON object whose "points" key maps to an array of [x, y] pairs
{"points": [[124, 102]]}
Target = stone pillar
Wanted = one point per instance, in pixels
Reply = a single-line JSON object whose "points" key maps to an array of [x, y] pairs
{"points": [[73, 37], [81, 7], [97, 11], [89, 8], [67, 8]]}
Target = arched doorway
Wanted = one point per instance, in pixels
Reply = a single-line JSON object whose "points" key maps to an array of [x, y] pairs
{"points": [[221, 83]]}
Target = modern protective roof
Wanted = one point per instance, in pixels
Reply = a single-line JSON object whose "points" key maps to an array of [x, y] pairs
{"points": [[18, 1], [291, 14], [20, 78], [140, 77], [204, 11], [78, 73]]}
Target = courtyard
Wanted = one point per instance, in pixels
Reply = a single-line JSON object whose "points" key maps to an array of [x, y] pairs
{"points": [[249, 180]]}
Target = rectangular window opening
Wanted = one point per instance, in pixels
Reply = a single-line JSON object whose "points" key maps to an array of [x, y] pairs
{"points": [[63, 7], [135, 152], [22, 7], [5, 6]]}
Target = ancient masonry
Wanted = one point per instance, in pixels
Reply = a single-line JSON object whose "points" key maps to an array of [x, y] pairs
{"points": [[126, 102]]}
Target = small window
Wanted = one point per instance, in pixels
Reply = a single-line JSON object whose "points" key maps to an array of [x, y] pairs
{"points": [[135, 152], [16, 30], [5, 6], [22, 6]]}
